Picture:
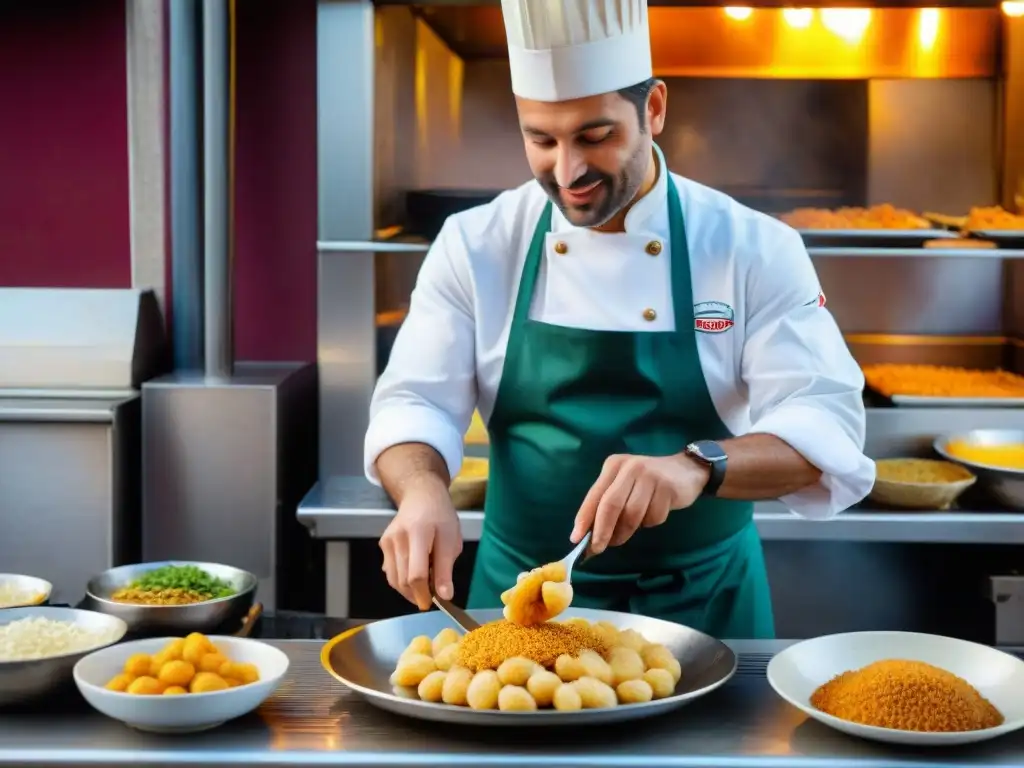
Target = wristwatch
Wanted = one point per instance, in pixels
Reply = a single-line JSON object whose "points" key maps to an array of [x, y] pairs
{"points": [[710, 453]]}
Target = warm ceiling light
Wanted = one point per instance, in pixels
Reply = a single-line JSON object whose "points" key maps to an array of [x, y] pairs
{"points": [[740, 13], [1014, 9], [849, 23], [799, 18], [928, 28]]}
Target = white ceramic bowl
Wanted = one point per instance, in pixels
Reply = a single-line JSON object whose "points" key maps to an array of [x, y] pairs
{"points": [[800, 669], [185, 713], [36, 591]]}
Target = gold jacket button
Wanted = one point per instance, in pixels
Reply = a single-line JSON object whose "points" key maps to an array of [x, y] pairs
{"points": [[650, 315], [653, 248], [561, 248]]}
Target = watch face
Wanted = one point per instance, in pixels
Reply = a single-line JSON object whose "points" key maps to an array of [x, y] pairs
{"points": [[708, 450]]}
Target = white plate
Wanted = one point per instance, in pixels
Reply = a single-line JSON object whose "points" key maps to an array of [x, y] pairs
{"points": [[38, 590], [185, 713], [800, 669]]}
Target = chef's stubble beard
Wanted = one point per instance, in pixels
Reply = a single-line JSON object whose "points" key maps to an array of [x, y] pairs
{"points": [[620, 189]]}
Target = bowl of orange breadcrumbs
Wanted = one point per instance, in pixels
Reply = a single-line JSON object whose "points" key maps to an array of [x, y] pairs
{"points": [[903, 687]]}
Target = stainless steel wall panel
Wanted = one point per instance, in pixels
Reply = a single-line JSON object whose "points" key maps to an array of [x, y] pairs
{"points": [[347, 355]]}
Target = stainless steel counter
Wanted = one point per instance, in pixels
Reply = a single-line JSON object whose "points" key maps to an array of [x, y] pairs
{"points": [[313, 720], [345, 508]]}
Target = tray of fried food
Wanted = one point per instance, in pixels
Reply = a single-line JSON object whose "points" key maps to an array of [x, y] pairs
{"points": [[993, 223], [592, 667], [878, 226], [934, 386]]}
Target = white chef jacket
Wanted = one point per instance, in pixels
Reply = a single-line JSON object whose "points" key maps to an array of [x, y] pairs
{"points": [[781, 368]]}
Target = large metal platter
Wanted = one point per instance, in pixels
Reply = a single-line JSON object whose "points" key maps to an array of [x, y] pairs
{"points": [[364, 658], [873, 238]]}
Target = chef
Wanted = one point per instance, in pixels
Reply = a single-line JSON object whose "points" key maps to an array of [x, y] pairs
{"points": [[650, 357]]}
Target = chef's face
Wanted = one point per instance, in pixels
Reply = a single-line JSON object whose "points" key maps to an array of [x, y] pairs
{"points": [[591, 155]]}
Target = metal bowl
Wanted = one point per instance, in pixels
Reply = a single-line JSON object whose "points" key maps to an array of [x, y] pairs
{"points": [[38, 590], [1007, 485], [22, 681], [364, 658], [224, 614]]}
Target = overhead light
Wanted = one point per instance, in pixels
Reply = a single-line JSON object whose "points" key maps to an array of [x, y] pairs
{"points": [[799, 18], [848, 23], [1013, 8], [738, 12]]}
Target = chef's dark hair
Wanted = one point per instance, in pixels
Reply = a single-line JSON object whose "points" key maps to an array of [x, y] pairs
{"points": [[637, 96]]}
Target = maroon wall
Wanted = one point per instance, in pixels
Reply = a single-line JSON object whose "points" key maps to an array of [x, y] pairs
{"points": [[64, 160], [63, 144]]}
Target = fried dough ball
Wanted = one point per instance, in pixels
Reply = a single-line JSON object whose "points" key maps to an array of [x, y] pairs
{"points": [[596, 667], [595, 694], [567, 698], [412, 669], [120, 682], [212, 662], [568, 668], [207, 682], [538, 595], [146, 686], [138, 664], [431, 686], [630, 638], [483, 690], [447, 656], [661, 681], [405, 692], [443, 639], [634, 692], [515, 698], [542, 686], [516, 671], [420, 645], [456, 686], [177, 673], [246, 673], [659, 657], [174, 690], [625, 664]]}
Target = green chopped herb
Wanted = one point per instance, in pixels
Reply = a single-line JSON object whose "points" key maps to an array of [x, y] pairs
{"points": [[186, 577]]}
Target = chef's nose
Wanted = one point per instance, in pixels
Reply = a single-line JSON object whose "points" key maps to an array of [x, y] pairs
{"points": [[569, 166]]}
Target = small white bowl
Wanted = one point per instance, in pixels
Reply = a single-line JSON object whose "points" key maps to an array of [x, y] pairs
{"points": [[800, 669], [186, 713], [37, 591]]}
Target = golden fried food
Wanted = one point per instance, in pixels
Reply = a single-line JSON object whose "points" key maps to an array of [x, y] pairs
{"points": [[567, 666], [994, 218], [941, 381], [538, 596], [907, 696], [883, 216], [514, 698], [488, 646], [185, 665]]}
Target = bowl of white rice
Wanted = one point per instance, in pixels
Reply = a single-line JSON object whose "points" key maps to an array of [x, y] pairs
{"points": [[17, 591], [40, 646]]}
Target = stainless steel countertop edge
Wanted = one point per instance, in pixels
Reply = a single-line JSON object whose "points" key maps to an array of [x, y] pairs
{"points": [[351, 508]]}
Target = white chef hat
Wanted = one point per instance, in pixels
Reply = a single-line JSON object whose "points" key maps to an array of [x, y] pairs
{"points": [[569, 49]]}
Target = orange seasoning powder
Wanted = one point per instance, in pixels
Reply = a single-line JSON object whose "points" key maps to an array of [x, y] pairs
{"points": [[491, 644], [907, 696]]}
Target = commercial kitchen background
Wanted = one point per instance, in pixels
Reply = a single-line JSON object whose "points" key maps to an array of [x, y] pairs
{"points": [[66, 206]]}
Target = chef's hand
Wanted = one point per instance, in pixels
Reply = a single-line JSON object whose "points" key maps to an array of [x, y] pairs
{"points": [[635, 491], [424, 534]]}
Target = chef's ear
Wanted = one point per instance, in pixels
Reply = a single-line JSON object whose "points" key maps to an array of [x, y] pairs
{"points": [[657, 105]]}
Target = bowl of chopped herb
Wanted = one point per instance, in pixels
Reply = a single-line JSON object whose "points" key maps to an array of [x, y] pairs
{"points": [[174, 597]]}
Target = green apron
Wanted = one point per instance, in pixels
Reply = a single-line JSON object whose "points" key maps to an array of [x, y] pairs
{"points": [[568, 399]]}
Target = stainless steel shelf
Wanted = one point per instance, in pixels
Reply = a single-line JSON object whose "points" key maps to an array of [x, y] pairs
{"points": [[418, 246], [347, 508], [313, 720], [917, 253]]}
